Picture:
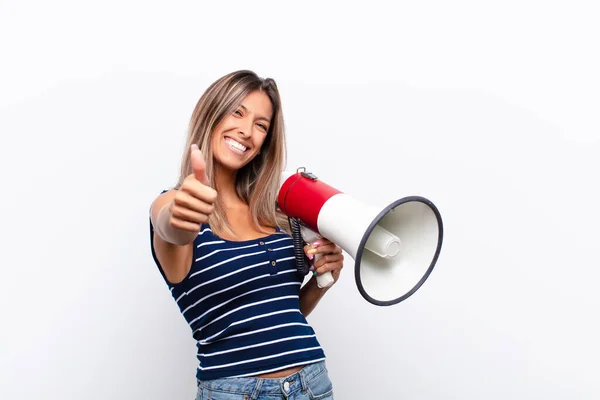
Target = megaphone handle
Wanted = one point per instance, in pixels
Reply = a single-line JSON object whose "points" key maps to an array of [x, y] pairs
{"points": [[324, 280]]}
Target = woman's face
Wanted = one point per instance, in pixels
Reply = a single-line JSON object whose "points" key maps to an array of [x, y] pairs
{"points": [[239, 136]]}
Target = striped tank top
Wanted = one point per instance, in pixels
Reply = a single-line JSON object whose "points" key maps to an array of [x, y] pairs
{"points": [[241, 301]]}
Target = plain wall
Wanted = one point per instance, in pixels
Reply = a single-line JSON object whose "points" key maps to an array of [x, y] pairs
{"points": [[488, 109]]}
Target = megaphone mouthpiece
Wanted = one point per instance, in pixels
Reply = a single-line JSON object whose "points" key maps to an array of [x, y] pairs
{"points": [[383, 243]]}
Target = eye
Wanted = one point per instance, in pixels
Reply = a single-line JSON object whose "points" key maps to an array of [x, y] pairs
{"points": [[238, 112], [263, 127]]}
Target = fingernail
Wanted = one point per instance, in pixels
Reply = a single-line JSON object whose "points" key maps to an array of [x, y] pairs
{"points": [[317, 243], [314, 273], [312, 251], [310, 256]]}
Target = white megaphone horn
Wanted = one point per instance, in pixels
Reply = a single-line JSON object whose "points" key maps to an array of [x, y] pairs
{"points": [[394, 248]]}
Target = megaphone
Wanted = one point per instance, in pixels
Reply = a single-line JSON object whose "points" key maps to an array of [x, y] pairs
{"points": [[395, 247]]}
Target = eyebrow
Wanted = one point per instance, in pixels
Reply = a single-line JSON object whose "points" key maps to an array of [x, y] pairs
{"points": [[259, 117]]}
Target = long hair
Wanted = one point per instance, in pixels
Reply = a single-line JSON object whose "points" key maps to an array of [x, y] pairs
{"points": [[258, 181]]}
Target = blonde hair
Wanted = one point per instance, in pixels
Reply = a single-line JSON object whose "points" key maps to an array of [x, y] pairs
{"points": [[257, 183]]}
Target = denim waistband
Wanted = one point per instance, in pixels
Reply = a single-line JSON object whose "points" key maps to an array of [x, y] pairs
{"points": [[287, 385]]}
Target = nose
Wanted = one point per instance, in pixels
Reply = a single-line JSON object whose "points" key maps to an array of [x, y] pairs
{"points": [[245, 128]]}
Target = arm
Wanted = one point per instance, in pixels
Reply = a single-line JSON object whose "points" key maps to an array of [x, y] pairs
{"points": [[177, 216], [332, 260], [161, 215], [310, 295], [173, 246]]}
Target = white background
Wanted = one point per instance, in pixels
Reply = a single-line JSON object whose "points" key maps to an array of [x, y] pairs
{"points": [[489, 109]]}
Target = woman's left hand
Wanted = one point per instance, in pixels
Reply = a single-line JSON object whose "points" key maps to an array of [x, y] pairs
{"points": [[332, 258]]}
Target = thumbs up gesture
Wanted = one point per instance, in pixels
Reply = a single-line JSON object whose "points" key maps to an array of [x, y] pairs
{"points": [[199, 165], [194, 201]]}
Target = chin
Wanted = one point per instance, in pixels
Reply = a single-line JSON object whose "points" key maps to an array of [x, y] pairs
{"points": [[232, 165]]}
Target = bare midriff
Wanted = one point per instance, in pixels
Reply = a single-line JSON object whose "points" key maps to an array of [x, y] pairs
{"points": [[279, 374]]}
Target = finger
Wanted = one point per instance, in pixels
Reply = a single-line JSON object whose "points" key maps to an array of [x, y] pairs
{"points": [[327, 259], [198, 164], [185, 214], [199, 190], [184, 225], [187, 200], [317, 244], [333, 267], [321, 242], [327, 248], [307, 251]]}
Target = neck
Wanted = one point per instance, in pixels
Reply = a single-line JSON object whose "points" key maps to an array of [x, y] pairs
{"points": [[225, 186]]}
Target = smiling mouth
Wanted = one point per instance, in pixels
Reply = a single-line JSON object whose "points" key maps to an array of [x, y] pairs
{"points": [[235, 146]]}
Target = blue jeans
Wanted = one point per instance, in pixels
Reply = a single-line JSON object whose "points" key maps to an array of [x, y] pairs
{"points": [[310, 383]]}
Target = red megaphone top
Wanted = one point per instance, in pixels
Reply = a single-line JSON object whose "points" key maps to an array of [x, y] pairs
{"points": [[302, 196]]}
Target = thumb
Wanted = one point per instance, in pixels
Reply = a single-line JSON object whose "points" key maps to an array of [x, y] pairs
{"points": [[198, 165]]}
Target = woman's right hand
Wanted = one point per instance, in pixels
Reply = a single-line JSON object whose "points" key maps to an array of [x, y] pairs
{"points": [[194, 200]]}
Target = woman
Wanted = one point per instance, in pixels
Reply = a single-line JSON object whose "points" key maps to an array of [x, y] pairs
{"points": [[224, 250]]}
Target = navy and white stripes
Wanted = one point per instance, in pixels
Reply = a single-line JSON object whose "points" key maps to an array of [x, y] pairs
{"points": [[241, 302]]}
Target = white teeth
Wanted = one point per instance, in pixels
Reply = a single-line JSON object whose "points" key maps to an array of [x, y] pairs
{"points": [[235, 145]]}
